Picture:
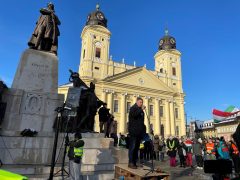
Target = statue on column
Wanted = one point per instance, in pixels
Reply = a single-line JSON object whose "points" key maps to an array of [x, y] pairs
{"points": [[45, 35]]}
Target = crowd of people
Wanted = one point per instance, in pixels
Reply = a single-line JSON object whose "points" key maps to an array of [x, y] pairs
{"points": [[143, 146]]}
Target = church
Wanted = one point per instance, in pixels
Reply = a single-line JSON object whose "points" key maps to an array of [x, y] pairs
{"points": [[119, 84]]}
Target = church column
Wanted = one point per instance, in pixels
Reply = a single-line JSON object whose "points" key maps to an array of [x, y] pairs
{"points": [[110, 101], [104, 95], [168, 132], [146, 119], [172, 117], [123, 114], [157, 117], [182, 113]]}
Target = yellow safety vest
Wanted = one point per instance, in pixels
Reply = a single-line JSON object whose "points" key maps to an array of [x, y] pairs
{"points": [[141, 146], [78, 152]]}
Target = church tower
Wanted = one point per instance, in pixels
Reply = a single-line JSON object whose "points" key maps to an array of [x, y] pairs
{"points": [[168, 62], [95, 47]]}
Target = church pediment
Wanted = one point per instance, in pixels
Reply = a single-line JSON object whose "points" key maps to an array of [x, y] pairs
{"points": [[140, 77]]}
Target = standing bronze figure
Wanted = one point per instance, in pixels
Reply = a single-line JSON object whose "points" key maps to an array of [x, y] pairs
{"points": [[45, 35]]}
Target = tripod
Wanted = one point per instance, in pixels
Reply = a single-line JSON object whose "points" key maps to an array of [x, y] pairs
{"points": [[53, 162], [63, 170], [151, 169]]}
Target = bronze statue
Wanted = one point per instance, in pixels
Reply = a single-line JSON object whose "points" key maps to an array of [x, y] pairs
{"points": [[88, 106], [45, 35]]}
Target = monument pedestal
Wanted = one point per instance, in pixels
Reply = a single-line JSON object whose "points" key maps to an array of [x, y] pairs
{"points": [[31, 103]]}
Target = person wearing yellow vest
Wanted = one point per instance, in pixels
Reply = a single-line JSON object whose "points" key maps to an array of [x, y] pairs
{"points": [[234, 153], [75, 154]]}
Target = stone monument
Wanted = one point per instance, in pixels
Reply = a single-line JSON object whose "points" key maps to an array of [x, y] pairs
{"points": [[32, 100]]}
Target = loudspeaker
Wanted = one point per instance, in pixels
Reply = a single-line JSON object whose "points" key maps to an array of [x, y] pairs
{"points": [[220, 166]]}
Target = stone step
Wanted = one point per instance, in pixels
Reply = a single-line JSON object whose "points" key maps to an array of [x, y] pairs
{"points": [[47, 142]]}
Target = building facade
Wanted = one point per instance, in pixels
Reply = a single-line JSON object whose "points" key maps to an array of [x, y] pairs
{"points": [[119, 84], [208, 128]]}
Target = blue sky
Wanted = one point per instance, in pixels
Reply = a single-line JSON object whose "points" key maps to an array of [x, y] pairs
{"points": [[207, 33]]}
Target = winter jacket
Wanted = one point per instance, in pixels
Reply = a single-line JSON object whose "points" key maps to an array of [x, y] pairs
{"points": [[197, 148], [223, 150], [136, 121]]}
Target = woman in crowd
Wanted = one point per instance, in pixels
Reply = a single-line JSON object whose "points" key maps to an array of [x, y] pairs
{"points": [[172, 150]]}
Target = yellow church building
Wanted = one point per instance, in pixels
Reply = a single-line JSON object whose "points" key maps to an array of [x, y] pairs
{"points": [[119, 84]]}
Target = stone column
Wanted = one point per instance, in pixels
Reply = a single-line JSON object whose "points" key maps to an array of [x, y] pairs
{"points": [[123, 114], [168, 130], [147, 117], [104, 95], [172, 118], [183, 123], [110, 101], [157, 117]]}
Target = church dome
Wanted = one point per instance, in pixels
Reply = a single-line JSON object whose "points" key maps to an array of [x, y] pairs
{"points": [[97, 18], [167, 42]]}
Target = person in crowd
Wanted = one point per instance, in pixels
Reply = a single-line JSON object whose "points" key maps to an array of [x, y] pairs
{"points": [[181, 153], [162, 149], [156, 144], [223, 149], [141, 149], [234, 153], [197, 151], [136, 131], [172, 150], [113, 130], [75, 153], [103, 118], [122, 141], [188, 144], [210, 152], [216, 141], [147, 147]]}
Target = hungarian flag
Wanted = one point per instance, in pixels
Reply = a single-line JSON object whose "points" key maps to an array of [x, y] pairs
{"points": [[221, 115]]}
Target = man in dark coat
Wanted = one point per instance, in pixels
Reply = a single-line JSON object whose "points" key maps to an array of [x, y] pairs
{"points": [[136, 131], [103, 118], [45, 35]]}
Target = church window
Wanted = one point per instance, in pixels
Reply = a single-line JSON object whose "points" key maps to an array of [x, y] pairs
{"points": [[161, 111], [177, 130], [98, 53], [102, 39], [94, 36], [115, 109], [176, 113], [83, 53], [151, 110], [97, 68], [174, 84], [174, 71], [128, 106], [161, 70]]}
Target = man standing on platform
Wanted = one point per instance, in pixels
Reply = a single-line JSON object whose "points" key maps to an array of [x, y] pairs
{"points": [[103, 118], [136, 131]]}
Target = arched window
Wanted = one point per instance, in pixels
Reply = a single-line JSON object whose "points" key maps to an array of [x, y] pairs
{"points": [[161, 70], [98, 52], [174, 71], [83, 53]]}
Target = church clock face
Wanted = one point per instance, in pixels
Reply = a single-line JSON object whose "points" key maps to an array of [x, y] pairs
{"points": [[100, 16], [172, 41], [141, 81]]}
